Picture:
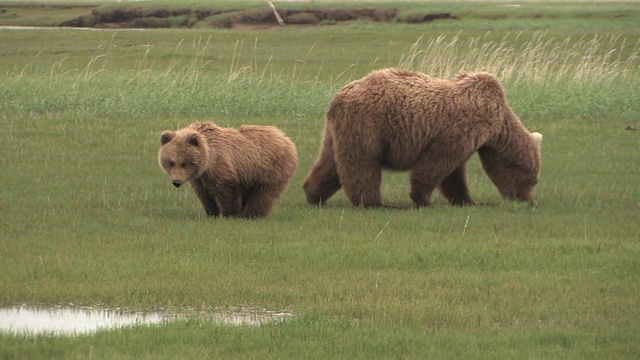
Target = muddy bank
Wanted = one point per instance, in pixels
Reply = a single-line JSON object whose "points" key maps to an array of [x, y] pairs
{"points": [[179, 17]]}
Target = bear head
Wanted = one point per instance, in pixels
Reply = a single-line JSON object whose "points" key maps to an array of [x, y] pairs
{"points": [[515, 172], [183, 155]]}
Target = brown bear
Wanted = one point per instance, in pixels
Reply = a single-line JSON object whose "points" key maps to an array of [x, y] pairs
{"points": [[402, 120], [233, 172]]}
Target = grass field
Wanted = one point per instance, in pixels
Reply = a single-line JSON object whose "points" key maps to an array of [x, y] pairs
{"points": [[89, 218]]}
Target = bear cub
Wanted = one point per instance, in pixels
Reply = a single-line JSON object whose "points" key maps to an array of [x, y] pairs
{"points": [[234, 172]]}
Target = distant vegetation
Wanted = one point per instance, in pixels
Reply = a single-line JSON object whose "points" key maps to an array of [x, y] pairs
{"points": [[233, 14]]}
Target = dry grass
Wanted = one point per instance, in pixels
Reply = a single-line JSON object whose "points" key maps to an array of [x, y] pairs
{"points": [[541, 60]]}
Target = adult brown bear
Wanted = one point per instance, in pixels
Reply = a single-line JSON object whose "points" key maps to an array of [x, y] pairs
{"points": [[402, 120]]}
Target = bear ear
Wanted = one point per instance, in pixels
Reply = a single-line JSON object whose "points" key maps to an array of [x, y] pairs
{"points": [[166, 136], [194, 139], [537, 138]]}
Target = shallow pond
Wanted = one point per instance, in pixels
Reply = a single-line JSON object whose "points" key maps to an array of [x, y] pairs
{"points": [[70, 320]]}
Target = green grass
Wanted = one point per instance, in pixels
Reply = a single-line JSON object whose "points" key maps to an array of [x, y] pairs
{"points": [[318, 337], [88, 216]]}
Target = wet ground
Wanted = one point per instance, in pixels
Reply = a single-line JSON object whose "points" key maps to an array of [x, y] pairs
{"points": [[72, 320]]}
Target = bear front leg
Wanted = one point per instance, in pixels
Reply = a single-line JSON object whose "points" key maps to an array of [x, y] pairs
{"points": [[421, 190], [260, 201], [454, 187], [207, 200], [437, 168], [229, 198], [322, 181]]}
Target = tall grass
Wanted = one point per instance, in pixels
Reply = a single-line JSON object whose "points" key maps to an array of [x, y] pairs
{"points": [[543, 60], [190, 87]]}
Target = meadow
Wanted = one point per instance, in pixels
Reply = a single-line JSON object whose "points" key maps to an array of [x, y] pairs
{"points": [[89, 218]]}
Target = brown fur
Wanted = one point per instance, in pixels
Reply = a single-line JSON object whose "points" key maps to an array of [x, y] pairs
{"points": [[401, 120], [233, 172]]}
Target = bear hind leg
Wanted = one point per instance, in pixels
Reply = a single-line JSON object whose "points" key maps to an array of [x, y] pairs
{"points": [[454, 187], [323, 180], [361, 183]]}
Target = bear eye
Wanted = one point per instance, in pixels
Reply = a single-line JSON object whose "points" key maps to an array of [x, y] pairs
{"points": [[170, 163], [185, 164]]}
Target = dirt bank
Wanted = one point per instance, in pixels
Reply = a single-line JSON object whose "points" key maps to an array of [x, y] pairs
{"points": [[177, 17]]}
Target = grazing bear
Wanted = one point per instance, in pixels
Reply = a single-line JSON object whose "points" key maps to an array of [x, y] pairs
{"points": [[402, 120], [233, 172]]}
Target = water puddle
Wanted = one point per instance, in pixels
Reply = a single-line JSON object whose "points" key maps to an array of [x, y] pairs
{"points": [[70, 320]]}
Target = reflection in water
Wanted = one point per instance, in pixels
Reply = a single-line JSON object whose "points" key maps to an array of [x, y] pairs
{"points": [[67, 320], [71, 320]]}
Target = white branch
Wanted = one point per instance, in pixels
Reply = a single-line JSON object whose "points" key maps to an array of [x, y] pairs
{"points": [[275, 12]]}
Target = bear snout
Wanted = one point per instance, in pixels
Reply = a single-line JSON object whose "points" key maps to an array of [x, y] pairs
{"points": [[176, 183]]}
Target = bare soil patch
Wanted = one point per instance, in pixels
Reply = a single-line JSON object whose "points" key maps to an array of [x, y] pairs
{"points": [[163, 17]]}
